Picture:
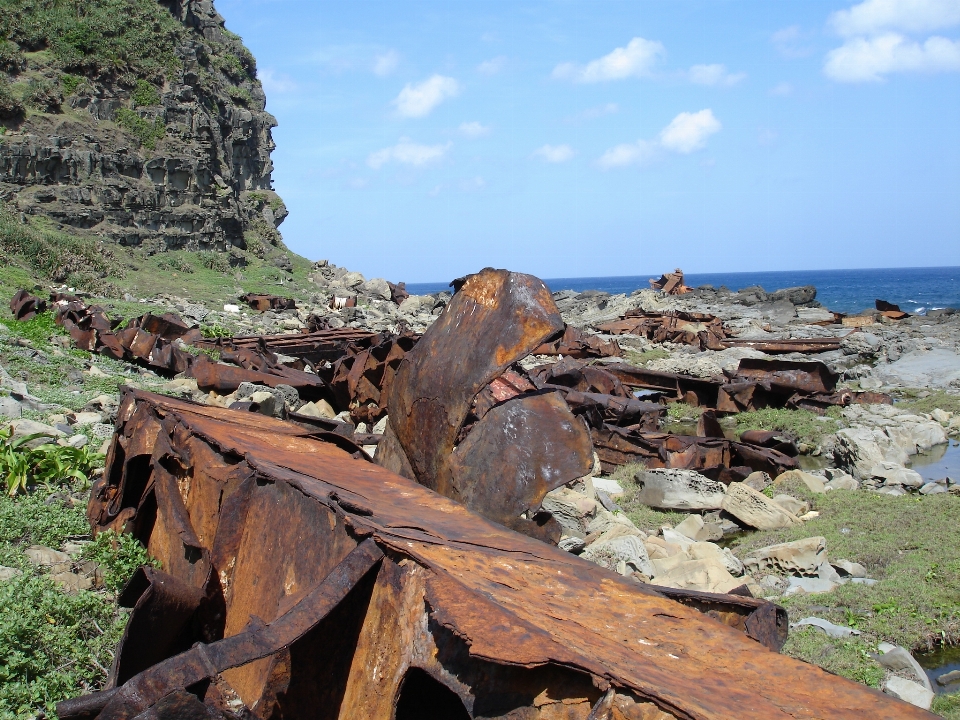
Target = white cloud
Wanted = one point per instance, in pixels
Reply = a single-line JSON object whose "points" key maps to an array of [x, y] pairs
{"points": [[419, 100], [473, 184], [789, 42], [634, 60], [554, 153], [868, 60], [274, 82], [874, 17], [492, 66], [782, 89], [689, 131], [408, 152], [474, 129], [638, 153], [715, 75], [386, 63], [685, 133]]}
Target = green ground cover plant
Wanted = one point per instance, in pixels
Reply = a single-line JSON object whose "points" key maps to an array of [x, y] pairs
{"points": [[901, 543], [147, 132], [47, 465], [107, 37], [926, 401], [119, 556], [801, 425]]}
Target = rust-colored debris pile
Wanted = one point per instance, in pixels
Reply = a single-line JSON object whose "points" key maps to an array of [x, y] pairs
{"points": [[299, 580], [670, 283], [699, 330], [302, 579]]}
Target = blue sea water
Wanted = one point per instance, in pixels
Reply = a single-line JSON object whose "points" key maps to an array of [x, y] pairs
{"points": [[915, 290]]}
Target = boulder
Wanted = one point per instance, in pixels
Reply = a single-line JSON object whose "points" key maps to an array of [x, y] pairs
{"points": [[317, 409], [941, 416], [377, 288], [792, 505], [352, 280], [8, 573], [899, 659], [759, 481], [679, 490], [23, 427], [608, 485], [812, 585], [858, 451], [755, 509], [626, 549], [571, 509], [699, 531], [908, 691], [851, 569], [705, 574], [894, 474], [800, 557], [842, 482], [9, 407], [800, 295], [812, 482]]}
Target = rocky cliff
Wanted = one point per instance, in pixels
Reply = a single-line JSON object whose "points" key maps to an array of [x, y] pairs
{"points": [[137, 120]]}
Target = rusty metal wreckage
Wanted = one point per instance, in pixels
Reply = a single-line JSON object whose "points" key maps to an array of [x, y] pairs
{"points": [[300, 579]]}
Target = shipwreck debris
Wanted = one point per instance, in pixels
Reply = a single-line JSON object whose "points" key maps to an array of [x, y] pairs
{"points": [[326, 586], [670, 283], [262, 303], [495, 319], [25, 306], [699, 330]]}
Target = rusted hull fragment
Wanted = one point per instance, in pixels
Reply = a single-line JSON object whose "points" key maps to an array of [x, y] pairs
{"points": [[269, 528], [25, 306], [704, 332]]}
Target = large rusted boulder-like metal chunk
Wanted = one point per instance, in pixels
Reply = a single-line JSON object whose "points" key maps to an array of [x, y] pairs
{"points": [[518, 451]]}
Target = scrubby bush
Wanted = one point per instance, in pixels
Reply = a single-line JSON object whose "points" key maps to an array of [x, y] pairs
{"points": [[107, 37], [11, 59], [44, 96], [10, 105], [214, 261], [70, 83], [145, 94], [147, 132]]}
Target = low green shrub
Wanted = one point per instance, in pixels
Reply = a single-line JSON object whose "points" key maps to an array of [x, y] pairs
{"points": [[70, 83], [145, 131], [47, 466], [119, 556], [145, 94], [175, 262], [11, 106], [214, 261]]}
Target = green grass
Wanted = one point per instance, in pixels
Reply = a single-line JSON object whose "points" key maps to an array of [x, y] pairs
{"points": [[119, 556], [800, 425], [931, 400], [646, 518], [906, 544], [147, 132], [681, 411], [635, 357], [145, 94], [947, 706], [106, 37]]}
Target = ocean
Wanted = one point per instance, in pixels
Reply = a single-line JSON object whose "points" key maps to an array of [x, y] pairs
{"points": [[915, 290]]}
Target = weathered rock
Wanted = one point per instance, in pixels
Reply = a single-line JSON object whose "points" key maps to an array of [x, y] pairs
{"points": [[627, 549], [8, 573], [809, 585], [853, 569], [755, 509], [84, 418], [899, 659], [796, 295], [43, 556], [941, 416], [792, 505], [835, 631], [812, 482], [572, 510], [842, 482], [894, 474], [800, 557], [608, 485], [377, 288], [933, 489], [703, 567], [317, 409], [268, 403], [9, 407], [908, 691], [23, 427], [679, 490], [858, 450], [759, 481]]}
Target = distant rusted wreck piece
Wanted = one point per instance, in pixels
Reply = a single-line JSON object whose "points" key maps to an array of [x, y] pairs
{"points": [[670, 283], [302, 581]]}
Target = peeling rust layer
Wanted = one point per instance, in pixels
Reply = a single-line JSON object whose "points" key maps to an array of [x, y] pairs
{"points": [[495, 319], [262, 303], [462, 613]]}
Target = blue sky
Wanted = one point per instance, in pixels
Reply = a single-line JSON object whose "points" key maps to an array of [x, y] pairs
{"points": [[423, 140]]}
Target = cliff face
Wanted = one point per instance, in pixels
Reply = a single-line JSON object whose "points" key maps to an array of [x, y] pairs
{"points": [[170, 150]]}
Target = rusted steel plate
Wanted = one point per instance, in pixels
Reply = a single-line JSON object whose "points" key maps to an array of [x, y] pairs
{"points": [[670, 283], [495, 319], [695, 329], [801, 345], [262, 303], [693, 390], [491, 616], [576, 343], [224, 379], [787, 376], [715, 457], [517, 453], [314, 347], [25, 306], [361, 378]]}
